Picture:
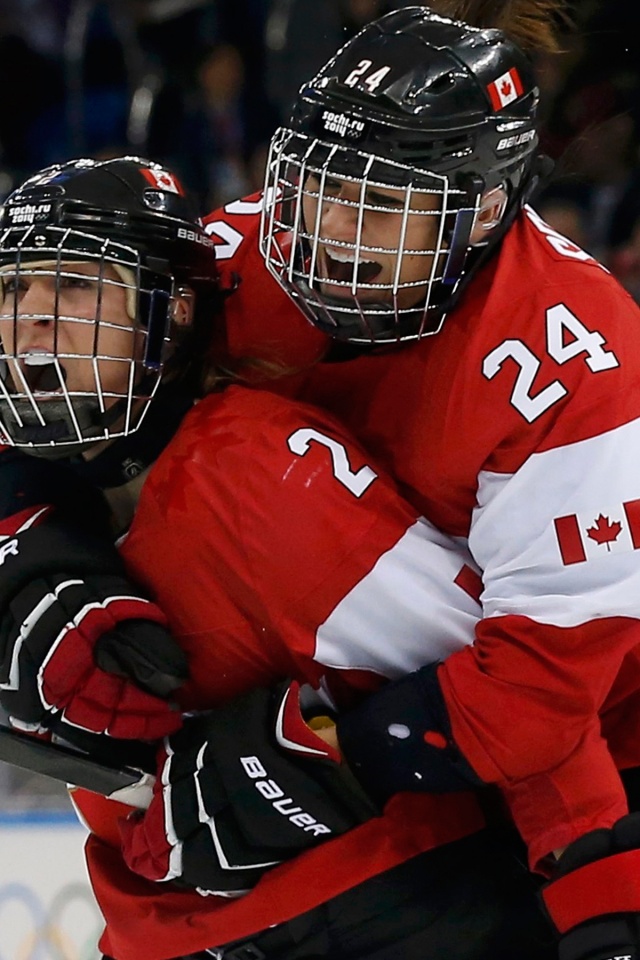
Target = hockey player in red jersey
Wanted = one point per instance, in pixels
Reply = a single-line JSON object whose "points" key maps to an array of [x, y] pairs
{"points": [[493, 367], [278, 549], [493, 460]]}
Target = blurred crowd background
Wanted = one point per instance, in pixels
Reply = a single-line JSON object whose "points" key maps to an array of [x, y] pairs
{"points": [[202, 84]]}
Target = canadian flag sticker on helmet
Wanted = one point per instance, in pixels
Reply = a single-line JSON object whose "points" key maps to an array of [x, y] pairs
{"points": [[162, 180], [505, 89]]}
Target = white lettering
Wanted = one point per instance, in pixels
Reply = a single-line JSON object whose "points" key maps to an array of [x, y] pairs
{"points": [[357, 482], [560, 244], [10, 548], [355, 75], [282, 806], [375, 79], [302, 819], [316, 829], [371, 81], [252, 767], [516, 140], [271, 791], [341, 124], [230, 239], [185, 234], [28, 212]]}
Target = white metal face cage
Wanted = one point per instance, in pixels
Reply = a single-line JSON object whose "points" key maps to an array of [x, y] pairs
{"points": [[367, 279], [41, 409]]}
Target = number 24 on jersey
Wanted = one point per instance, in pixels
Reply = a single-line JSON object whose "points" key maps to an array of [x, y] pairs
{"points": [[567, 337]]}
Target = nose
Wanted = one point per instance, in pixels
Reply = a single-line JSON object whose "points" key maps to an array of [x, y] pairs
{"points": [[33, 307]]}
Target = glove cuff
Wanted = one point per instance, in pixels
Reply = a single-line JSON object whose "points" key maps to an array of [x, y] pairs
{"points": [[607, 886], [618, 936]]}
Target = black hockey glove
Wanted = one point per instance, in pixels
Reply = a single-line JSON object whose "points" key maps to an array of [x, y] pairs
{"points": [[594, 897], [238, 790], [399, 739], [80, 648]]}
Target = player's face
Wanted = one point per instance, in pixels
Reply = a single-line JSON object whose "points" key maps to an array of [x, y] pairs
{"points": [[73, 318], [403, 241]]}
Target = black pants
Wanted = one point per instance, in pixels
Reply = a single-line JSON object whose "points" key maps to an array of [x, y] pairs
{"points": [[473, 899]]}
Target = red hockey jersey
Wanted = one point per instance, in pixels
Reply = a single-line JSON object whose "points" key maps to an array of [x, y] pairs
{"points": [[278, 549], [517, 429]]}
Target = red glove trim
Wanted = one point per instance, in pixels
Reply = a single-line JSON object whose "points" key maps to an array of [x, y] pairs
{"points": [[611, 885], [59, 676], [21, 521], [293, 734]]}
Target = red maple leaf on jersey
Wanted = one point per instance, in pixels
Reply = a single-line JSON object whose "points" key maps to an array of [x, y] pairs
{"points": [[506, 89], [604, 531]]}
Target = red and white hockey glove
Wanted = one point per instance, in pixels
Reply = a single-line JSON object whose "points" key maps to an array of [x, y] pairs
{"points": [[239, 790], [81, 650], [593, 898]]}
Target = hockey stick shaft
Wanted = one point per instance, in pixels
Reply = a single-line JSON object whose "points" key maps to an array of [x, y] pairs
{"points": [[61, 763]]}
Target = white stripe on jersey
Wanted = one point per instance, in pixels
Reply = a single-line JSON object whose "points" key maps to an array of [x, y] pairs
{"points": [[513, 536], [407, 611]]}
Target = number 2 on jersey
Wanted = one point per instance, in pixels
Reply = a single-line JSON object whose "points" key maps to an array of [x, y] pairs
{"points": [[560, 321], [355, 481]]}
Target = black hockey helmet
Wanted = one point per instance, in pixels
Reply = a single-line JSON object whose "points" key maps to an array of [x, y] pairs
{"points": [[128, 214], [415, 103]]}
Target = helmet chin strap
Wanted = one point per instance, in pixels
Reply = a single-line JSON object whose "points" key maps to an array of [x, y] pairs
{"points": [[121, 459], [90, 421], [125, 458]]}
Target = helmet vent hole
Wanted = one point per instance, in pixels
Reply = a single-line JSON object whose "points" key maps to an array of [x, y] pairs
{"points": [[441, 84]]}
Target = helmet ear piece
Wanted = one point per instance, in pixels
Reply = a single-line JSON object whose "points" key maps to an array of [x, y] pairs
{"points": [[182, 307], [489, 216]]}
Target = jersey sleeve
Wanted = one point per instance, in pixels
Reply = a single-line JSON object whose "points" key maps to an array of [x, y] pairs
{"points": [[350, 577], [557, 806], [556, 532], [261, 322]]}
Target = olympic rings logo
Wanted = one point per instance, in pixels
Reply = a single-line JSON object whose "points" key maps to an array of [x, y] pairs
{"points": [[53, 932]]}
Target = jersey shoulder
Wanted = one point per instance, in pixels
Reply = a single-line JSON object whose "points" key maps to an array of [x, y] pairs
{"points": [[280, 485], [539, 268], [257, 444], [253, 430], [555, 331], [542, 352], [262, 322]]}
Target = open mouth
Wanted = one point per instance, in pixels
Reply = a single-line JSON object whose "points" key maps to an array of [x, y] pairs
{"points": [[42, 375], [340, 265]]}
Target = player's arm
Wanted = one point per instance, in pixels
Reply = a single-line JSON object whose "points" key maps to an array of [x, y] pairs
{"points": [[82, 651], [240, 789], [327, 540], [561, 612], [519, 708], [556, 539]]}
